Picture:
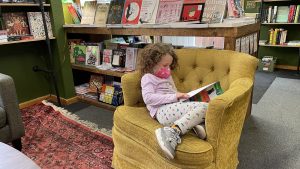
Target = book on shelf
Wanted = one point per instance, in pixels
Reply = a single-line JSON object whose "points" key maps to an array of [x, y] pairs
{"points": [[214, 11], [36, 26], [74, 14], [95, 83], [192, 12], [88, 12], [92, 56], [131, 58], [148, 11], [106, 60], [293, 43], [118, 57], [115, 12], [79, 54], [16, 23], [169, 11], [277, 36], [131, 12], [232, 11], [71, 44], [3, 36], [101, 13], [205, 93]]}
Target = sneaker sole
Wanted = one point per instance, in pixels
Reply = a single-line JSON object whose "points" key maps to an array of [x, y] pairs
{"points": [[161, 145], [202, 131]]}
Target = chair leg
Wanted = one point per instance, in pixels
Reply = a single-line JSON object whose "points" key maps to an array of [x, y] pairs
{"points": [[17, 144]]}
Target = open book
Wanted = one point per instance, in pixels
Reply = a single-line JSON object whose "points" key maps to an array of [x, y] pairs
{"points": [[205, 93]]}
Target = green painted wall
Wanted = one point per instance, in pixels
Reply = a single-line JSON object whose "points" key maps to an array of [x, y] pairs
{"points": [[285, 56], [17, 61]]}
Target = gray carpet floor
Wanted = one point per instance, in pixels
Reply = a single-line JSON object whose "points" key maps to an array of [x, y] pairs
{"points": [[270, 138]]}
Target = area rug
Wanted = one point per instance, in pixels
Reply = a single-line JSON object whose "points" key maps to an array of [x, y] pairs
{"points": [[55, 138]]}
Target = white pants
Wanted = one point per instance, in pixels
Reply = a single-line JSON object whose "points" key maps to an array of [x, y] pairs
{"points": [[185, 115]]}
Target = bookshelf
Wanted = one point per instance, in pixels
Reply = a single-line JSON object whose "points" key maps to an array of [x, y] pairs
{"points": [[288, 56], [229, 31], [24, 41], [21, 4]]}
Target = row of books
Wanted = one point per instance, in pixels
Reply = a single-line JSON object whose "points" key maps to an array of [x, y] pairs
{"points": [[130, 12], [104, 55], [22, 25], [101, 89], [281, 14], [277, 36]]}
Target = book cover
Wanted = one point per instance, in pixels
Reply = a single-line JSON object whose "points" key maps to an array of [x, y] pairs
{"points": [[131, 57], [73, 14], [282, 14], [71, 44], [79, 54], [88, 12], [131, 13], [118, 58], [36, 24], [101, 13], [95, 83], [206, 93], [148, 11], [92, 56], [107, 57], [192, 12], [115, 12], [169, 11], [214, 11], [16, 23]]}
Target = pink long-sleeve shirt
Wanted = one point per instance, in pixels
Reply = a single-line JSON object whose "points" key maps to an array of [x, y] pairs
{"points": [[157, 92]]}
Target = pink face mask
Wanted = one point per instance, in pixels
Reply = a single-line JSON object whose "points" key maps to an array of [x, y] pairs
{"points": [[163, 73]]}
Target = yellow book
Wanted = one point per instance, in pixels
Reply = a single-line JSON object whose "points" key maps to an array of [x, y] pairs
{"points": [[271, 36], [274, 37]]}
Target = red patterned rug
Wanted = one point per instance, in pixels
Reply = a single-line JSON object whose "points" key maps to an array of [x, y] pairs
{"points": [[54, 139]]}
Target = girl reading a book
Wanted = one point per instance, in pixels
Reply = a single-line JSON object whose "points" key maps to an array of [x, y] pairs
{"points": [[162, 98]]}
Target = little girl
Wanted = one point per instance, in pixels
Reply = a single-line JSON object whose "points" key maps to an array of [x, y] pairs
{"points": [[162, 99]]}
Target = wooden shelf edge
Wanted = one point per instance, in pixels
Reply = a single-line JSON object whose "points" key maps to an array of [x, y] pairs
{"points": [[280, 46], [280, 23], [24, 41], [97, 71], [22, 4], [96, 103]]}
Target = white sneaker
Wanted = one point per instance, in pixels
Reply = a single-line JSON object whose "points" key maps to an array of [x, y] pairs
{"points": [[200, 131], [168, 138]]}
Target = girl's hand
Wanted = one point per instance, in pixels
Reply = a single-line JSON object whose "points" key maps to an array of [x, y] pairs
{"points": [[182, 95]]}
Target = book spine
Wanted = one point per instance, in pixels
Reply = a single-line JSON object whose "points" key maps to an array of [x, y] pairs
{"points": [[73, 14]]}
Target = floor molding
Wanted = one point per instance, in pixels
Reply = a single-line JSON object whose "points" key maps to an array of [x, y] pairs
{"points": [[48, 97]]}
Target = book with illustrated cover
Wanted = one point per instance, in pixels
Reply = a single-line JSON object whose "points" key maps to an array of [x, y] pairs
{"points": [[214, 11], [88, 12], [206, 93], [148, 11], [36, 24], [71, 44], [192, 12], [92, 56], [131, 13], [118, 57], [169, 11], [95, 83], [101, 13], [131, 58], [79, 54], [115, 12], [16, 23]]}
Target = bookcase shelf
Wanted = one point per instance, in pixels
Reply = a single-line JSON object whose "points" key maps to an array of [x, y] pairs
{"points": [[97, 71], [280, 23], [21, 4], [280, 46], [96, 103], [23, 41]]}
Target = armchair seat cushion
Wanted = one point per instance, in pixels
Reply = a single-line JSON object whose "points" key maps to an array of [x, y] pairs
{"points": [[136, 124], [2, 117]]}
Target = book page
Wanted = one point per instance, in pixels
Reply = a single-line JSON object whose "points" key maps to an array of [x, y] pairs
{"points": [[194, 92]]}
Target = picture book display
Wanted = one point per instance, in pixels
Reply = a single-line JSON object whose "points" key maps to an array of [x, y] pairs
{"points": [[35, 20], [118, 58], [148, 11], [101, 13], [205, 93], [88, 12], [16, 23], [131, 57], [79, 54], [169, 11], [115, 12], [192, 12], [92, 55], [131, 12], [214, 11], [95, 83]]}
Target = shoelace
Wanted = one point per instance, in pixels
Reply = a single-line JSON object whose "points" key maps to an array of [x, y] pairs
{"points": [[174, 139]]}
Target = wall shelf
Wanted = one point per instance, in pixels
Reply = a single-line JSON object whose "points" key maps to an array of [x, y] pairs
{"points": [[98, 71], [280, 46], [21, 4], [23, 41]]}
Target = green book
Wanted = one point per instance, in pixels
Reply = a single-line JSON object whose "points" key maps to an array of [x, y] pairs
{"points": [[282, 14], [80, 54]]}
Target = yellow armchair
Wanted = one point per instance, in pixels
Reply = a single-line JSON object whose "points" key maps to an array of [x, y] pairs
{"points": [[133, 131]]}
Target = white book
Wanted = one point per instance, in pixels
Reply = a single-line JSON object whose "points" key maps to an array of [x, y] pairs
{"points": [[131, 57], [255, 42], [148, 11], [238, 44], [92, 56]]}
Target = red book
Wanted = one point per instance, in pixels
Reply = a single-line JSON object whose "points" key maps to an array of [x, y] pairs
{"points": [[192, 12], [131, 12]]}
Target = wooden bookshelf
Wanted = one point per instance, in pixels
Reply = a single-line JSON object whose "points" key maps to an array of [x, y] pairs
{"points": [[96, 103], [280, 46], [97, 71], [280, 23], [21, 4], [23, 41]]}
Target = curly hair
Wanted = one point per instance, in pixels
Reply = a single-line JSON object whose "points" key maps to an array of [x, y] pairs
{"points": [[152, 54]]}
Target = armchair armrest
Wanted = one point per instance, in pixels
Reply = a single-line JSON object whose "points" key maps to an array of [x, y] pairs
{"points": [[131, 86], [9, 102], [225, 118]]}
